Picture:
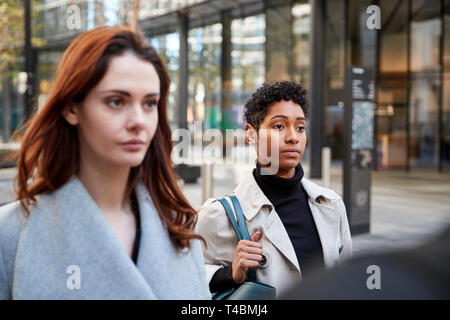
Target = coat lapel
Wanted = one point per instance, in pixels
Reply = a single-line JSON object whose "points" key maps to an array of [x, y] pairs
{"points": [[275, 231], [327, 223], [171, 273], [252, 199], [326, 217]]}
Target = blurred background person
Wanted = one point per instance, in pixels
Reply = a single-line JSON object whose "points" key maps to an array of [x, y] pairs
{"points": [[417, 273]]}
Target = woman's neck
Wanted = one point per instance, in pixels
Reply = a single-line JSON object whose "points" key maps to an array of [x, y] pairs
{"points": [[106, 184], [282, 173], [275, 186]]}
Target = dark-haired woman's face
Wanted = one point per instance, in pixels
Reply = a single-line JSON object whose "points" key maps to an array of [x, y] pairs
{"points": [[119, 116], [283, 129]]}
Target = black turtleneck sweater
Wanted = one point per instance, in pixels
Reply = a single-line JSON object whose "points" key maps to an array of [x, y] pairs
{"points": [[290, 201]]}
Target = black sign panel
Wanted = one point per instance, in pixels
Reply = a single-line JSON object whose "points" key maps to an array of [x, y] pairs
{"points": [[358, 138]]}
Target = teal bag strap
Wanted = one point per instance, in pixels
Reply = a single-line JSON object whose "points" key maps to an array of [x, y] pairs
{"points": [[230, 214], [240, 227], [240, 217]]}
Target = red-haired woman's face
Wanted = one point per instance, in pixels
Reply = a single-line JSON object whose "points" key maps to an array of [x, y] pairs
{"points": [[118, 118]]}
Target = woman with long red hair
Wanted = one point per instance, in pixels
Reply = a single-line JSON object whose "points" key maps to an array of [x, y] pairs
{"points": [[99, 214]]}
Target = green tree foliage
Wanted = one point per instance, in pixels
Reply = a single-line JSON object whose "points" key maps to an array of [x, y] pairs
{"points": [[12, 33]]}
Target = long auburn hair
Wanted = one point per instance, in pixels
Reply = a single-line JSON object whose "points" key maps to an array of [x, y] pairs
{"points": [[49, 153]]}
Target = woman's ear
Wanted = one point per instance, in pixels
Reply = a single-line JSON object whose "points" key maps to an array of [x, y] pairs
{"points": [[251, 134], [70, 113]]}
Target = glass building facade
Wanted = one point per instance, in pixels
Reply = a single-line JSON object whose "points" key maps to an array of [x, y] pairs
{"points": [[231, 50]]}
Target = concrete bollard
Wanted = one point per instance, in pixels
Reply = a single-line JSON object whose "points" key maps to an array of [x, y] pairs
{"points": [[207, 181], [326, 167]]}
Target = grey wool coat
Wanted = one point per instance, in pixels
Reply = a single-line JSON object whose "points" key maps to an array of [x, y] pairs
{"points": [[66, 249]]}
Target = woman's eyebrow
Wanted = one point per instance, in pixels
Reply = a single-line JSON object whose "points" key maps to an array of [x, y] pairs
{"points": [[286, 117], [150, 95], [279, 116], [127, 94]]}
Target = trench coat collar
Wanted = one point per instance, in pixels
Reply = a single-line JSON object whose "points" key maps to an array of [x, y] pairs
{"points": [[325, 215], [252, 198]]}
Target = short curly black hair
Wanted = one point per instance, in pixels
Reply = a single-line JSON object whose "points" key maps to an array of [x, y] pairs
{"points": [[257, 107]]}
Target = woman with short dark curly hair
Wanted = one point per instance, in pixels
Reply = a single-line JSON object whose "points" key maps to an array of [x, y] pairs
{"points": [[297, 226]]}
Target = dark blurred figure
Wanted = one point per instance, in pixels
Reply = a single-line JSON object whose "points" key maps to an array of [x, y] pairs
{"points": [[419, 273]]}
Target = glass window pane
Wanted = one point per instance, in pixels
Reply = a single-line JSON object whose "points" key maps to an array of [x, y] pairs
{"points": [[391, 110], [247, 38], [446, 89], [168, 47], [278, 42], [335, 71], [155, 8], [301, 29], [204, 75], [425, 84]]}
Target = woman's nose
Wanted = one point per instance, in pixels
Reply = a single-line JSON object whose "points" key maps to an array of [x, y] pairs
{"points": [[291, 136], [135, 117]]}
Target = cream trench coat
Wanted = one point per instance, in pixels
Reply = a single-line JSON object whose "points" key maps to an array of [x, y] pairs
{"points": [[281, 269]]}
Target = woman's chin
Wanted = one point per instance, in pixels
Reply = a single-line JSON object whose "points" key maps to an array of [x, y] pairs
{"points": [[284, 164], [129, 162], [287, 164]]}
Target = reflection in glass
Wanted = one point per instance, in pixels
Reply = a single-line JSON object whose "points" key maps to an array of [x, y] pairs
{"points": [[155, 8], [334, 80], [391, 111], [204, 75], [168, 47], [57, 17], [47, 64], [425, 84], [278, 47], [248, 38], [301, 29], [445, 153]]}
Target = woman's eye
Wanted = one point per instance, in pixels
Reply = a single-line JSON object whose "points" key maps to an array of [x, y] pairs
{"points": [[301, 128], [277, 126], [115, 103], [150, 104]]}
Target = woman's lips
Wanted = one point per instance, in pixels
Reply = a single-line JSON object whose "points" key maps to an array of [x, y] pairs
{"points": [[291, 153], [133, 145]]}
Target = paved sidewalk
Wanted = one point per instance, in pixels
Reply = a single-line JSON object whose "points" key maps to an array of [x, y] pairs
{"points": [[6, 185], [406, 210]]}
